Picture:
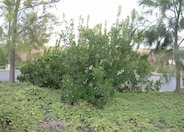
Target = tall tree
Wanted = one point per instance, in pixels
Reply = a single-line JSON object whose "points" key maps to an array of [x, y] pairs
{"points": [[25, 23], [166, 30]]}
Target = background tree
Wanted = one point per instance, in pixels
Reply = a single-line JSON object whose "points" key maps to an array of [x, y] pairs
{"points": [[25, 24], [165, 31]]}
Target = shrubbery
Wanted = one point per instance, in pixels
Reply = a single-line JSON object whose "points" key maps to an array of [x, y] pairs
{"points": [[45, 71], [92, 68]]}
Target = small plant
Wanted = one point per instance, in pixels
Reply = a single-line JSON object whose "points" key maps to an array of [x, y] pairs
{"points": [[153, 86]]}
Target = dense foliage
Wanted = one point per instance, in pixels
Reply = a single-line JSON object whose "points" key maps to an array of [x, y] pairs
{"points": [[45, 71], [24, 107], [92, 68]]}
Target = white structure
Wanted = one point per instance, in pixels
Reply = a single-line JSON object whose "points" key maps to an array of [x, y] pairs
{"points": [[171, 62], [7, 67]]}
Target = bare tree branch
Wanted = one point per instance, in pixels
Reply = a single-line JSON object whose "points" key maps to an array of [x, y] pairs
{"points": [[181, 42]]}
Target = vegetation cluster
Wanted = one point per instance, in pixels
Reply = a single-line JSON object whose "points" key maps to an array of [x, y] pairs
{"points": [[92, 68], [25, 107]]}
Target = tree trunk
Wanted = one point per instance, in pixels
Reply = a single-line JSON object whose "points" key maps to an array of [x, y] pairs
{"points": [[178, 76], [13, 42], [12, 66], [176, 47], [177, 63]]}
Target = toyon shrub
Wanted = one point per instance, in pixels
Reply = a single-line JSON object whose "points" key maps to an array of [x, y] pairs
{"points": [[92, 68]]}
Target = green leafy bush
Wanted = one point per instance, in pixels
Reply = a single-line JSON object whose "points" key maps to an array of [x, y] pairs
{"points": [[85, 78], [2, 66], [45, 71], [92, 68], [100, 64]]}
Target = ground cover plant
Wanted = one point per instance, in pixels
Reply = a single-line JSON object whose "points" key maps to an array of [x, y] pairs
{"points": [[25, 107]]}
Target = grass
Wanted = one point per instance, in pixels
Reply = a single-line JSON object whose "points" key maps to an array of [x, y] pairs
{"points": [[24, 107]]}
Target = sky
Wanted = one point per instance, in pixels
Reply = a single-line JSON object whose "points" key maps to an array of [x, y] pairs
{"points": [[98, 10]]}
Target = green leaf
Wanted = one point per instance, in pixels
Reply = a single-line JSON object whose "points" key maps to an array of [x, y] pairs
{"points": [[182, 23]]}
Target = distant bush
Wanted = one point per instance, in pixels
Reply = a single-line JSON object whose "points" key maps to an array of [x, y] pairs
{"points": [[91, 69], [2, 66]]}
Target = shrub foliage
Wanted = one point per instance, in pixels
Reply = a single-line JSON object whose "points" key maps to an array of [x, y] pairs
{"points": [[92, 68], [45, 71]]}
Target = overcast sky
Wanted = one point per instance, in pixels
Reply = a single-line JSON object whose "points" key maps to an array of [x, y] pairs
{"points": [[98, 10]]}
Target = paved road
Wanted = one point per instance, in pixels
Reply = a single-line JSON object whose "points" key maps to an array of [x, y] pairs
{"points": [[4, 75], [169, 86]]}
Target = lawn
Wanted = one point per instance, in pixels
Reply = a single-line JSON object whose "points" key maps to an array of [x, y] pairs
{"points": [[27, 108]]}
